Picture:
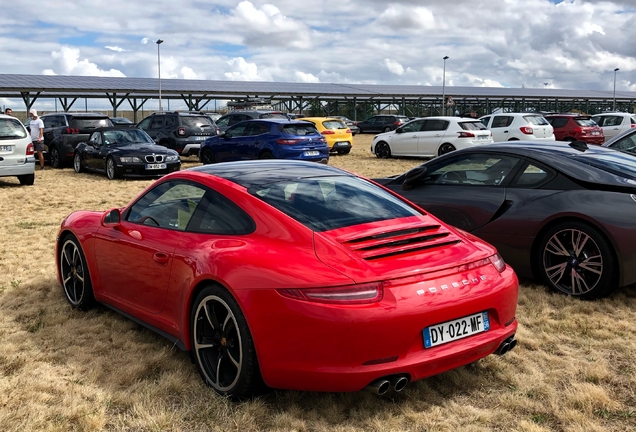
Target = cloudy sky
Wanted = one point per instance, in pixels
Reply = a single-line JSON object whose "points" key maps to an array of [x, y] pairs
{"points": [[569, 44]]}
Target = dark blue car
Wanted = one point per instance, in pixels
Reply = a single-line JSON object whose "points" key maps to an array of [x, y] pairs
{"points": [[266, 139]]}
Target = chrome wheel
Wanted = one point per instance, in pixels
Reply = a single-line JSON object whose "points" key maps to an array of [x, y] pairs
{"points": [[111, 172], [382, 150], [74, 274], [77, 163], [445, 148]]}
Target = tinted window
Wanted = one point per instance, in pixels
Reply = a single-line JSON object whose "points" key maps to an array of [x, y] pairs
{"points": [[536, 120], [236, 131], [532, 176], [558, 122], [199, 121], [485, 121], [473, 169], [627, 144], [298, 129], [413, 126], [501, 121], [585, 122], [218, 215], [157, 122], [49, 121], [334, 124], [598, 120], [256, 128], [145, 123], [612, 120], [89, 123], [11, 129], [332, 202], [472, 125], [435, 125], [170, 120], [222, 122]]}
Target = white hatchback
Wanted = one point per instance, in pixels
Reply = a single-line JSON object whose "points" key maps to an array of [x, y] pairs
{"points": [[431, 136], [16, 151], [614, 123], [518, 126]]}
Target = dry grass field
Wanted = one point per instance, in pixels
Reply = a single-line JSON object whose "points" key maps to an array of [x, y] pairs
{"points": [[63, 370]]}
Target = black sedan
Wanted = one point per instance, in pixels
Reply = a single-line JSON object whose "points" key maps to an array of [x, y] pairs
{"points": [[124, 152], [561, 213]]}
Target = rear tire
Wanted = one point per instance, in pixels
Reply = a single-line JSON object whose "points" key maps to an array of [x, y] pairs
{"points": [[207, 157], [26, 179], [77, 163], [445, 148], [56, 159], [387, 129], [266, 155]]}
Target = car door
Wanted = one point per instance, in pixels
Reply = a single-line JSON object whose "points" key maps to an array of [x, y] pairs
{"points": [[404, 141], [156, 124], [466, 190], [91, 151], [256, 139], [611, 125], [500, 127], [134, 257], [231, 144], [429, 139], [368, 125]]}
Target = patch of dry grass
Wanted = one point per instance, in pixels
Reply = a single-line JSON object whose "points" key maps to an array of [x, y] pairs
{"points": [[61, 370]]}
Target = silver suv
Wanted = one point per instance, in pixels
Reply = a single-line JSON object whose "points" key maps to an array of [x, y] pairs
{"points": [[16, 151]]}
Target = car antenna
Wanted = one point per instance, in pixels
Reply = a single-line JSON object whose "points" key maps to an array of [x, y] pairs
{"points": [[579, 145]]}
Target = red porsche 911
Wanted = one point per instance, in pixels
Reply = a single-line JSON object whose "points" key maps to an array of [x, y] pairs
{"points": [[301, 274]]}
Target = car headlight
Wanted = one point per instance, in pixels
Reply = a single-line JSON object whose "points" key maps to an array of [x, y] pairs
{"points": [[173, 158], [129, 159]]}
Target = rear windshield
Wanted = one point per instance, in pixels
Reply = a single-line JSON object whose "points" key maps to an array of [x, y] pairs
{"points": [[587, 122], [196, 121], [536, 120], [11, 129], [473, 125], [333, 202], [617, 163], [299, 129], [89, 123], [334, 124], [273, 115]]}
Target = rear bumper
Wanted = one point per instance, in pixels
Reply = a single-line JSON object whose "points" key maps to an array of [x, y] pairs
{"points": [[17, 170], [340, 145], [188, 149]]}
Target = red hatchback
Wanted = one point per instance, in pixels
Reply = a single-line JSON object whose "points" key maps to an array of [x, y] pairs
{"points": [[278, 270], [576, 127]]}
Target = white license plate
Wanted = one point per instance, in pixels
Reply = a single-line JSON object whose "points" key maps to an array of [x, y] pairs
{"points": [[200, 138], [5, 148], [155, 166], [312, 153], [449, 331], [482, 137], [596, 133]]}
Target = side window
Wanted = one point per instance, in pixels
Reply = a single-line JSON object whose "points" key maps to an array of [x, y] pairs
{"points": [[236, 131], [93, 139], [97, 136], [612, 121], [170, 121], [485, 121], [49, 122], [223, 122], [558, 122], [413, 126], [371, 120], [532, 176], [157, 122], [144, 124], [627, 144], [599, 120], [435, 125], [501, 121], [256, 128], [473, 169], [218, 215], [169, 205]]}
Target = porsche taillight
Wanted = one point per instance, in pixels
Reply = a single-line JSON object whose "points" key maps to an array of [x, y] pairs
{"points": [[345, 295]]}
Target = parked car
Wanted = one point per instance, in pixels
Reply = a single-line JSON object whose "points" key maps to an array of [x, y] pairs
{"points": [[353, 125], [124, 151], [293, 116], [16, 151], [278, 270], [382, 123], [335, 131], [576, 127], [624, 141], [180, 131], [121, 121], [560, 213], [614, 123], [266, 139], [214, 115], [430, 137], [235, 117], [518, 126], [64, 131]]}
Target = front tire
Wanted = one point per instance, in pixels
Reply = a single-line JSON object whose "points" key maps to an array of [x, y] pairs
{"points": [[222, 344], [76, 280], [56, 159], [576, 259], [207, 157], [382, 150], [77, 163], [266, 155], [111, 169]]}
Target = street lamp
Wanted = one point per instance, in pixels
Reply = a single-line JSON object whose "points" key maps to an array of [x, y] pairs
{"points": [[615, 70], [159, 42], [444, 87], [545, 85]]}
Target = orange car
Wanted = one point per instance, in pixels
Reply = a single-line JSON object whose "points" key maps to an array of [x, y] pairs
{"points": [[337, 133]]}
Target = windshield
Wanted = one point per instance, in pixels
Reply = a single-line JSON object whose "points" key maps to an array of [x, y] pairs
{"points": [[127, 136], [332, 202], [617, 163], [11, 129]]}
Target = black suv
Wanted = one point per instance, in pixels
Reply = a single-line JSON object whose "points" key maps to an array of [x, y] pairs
{"points": [[235, 117], [382, 123], [181, 131], [64, 131]]}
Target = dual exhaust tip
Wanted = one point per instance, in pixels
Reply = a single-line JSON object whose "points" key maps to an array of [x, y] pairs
{"points": [[381, 386], [506, 345]]}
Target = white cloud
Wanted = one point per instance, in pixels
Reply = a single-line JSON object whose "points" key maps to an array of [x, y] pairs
{"points": [[66, 62], [393, 66], [242, 71], [305, 77], [407, 17], [145, 41], [115, 48]]}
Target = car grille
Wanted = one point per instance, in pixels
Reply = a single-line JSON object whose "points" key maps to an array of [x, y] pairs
{"points": [[401, 241], [154, 158]]}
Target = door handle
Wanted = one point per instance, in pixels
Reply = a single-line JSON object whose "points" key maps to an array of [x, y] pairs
{"points": [[506, 131], [161, 258]]}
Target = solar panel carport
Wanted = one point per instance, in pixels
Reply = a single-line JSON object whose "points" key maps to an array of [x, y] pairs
{"points": [[292, 96]]}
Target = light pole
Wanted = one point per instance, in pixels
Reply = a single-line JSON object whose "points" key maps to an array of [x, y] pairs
{"points": [[444, 87], [159, 42], [545, 85], [615, 70]]}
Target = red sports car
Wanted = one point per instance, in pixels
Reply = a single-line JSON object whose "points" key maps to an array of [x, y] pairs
{"points": [[305, 275]]}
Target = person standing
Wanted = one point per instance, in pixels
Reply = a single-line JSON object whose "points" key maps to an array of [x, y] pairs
{"points": [[37, 135], [8, 111]]}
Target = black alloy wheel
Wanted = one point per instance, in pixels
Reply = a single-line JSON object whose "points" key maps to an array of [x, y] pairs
{"points": [[76, 280], [222, 344], [207, 156], [266, 155], [576, 259], [56, 161], [111, 168], [77, 163], [445, 148], [382, 150]]}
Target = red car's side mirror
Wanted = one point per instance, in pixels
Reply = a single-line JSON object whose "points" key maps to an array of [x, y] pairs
{"points": [[111, 217]]}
